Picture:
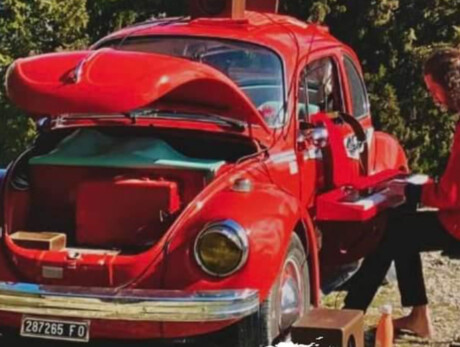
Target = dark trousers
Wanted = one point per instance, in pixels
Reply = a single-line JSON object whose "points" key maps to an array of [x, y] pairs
{"points": [[406, 236]]}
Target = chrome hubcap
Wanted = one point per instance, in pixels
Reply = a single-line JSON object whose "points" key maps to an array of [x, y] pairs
{"points": [[291, 295]]}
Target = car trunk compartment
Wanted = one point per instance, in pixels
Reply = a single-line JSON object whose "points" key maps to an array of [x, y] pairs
{"points": [[104, 191], [125, 209]]}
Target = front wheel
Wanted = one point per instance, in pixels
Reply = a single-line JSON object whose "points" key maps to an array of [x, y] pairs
{"points": [[288, 301]]}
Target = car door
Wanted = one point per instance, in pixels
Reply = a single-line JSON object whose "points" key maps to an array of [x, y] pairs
{"points": [[359, 143], [308, 154], [327, 106], [346, 160]]}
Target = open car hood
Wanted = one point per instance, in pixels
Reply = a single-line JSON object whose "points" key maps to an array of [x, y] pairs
{"points": [[108, 81]]}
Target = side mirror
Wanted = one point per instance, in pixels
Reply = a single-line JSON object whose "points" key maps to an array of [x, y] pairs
{"points": [[320, 136], [304, 134], [316, 134]]}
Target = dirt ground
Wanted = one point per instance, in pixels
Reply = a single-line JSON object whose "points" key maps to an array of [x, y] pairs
{"points": [[442, 277]]}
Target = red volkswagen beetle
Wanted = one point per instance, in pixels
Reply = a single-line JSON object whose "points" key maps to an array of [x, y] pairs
{"points": [[184, 172]]}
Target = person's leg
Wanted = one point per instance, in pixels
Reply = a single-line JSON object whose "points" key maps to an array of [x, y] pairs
{"points": [[364, 284], [413, 294], [419, 232]]}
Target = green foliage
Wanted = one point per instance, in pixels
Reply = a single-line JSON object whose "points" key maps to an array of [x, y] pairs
{"points": [[391, 37], [29, 27], [109, 15]]}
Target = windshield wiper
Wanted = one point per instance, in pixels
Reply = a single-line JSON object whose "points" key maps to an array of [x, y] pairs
{"points": [[153, 113], [235, 124]]}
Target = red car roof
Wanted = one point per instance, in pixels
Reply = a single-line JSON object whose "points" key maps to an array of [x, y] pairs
{"points": [[278, 32]]}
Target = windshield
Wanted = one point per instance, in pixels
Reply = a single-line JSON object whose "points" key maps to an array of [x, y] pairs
{"points": [[256, 70]]}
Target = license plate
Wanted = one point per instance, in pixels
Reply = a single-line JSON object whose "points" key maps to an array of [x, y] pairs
{"points": [[55, 329]]}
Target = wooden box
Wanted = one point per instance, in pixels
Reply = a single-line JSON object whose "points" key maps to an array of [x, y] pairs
{"points": [[324, 327], [40, 240]]}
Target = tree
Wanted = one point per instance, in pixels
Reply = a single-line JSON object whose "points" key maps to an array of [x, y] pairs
{"points": [[109, 15], [29, 27]]}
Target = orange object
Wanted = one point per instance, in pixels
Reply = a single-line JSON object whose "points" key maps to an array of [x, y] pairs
{"points": [[384, 335]]}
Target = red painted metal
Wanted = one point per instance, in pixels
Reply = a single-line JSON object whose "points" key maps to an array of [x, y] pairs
{"points": [[361, 201], [285, 176], [109, 81]]}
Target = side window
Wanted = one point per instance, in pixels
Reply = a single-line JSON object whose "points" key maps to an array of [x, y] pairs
{"points": [[320, 79], [358, 90]]}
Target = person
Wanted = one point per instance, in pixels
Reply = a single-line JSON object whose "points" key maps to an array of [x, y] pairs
{"points": [[409, 233]]}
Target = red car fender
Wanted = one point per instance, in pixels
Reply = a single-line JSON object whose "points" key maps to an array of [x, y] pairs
{"points": [[313, 258], [268, 214], [387, 153]]}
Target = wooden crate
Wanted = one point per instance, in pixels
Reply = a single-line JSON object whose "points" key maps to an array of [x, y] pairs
{"points": [[325, 327], [49, 241]]}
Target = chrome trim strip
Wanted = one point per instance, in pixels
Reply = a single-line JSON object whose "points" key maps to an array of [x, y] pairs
{"points": [[128, 304], [313, 154], [283, 157], [290, 156]]}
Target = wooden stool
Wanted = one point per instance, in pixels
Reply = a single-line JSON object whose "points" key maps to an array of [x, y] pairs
{"points": [[324, 327]]}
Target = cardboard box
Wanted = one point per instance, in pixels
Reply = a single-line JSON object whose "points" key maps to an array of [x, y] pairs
{"points": [[49, 241]]}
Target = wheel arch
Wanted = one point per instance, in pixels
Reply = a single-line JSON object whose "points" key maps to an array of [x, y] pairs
{"points": [[301, 230], [305, 230]]}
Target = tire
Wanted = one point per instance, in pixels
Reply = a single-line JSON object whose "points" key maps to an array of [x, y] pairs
{"points": [[268, 327]]}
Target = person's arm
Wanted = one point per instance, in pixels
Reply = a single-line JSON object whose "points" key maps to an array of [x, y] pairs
{"points": [[445, 194]]}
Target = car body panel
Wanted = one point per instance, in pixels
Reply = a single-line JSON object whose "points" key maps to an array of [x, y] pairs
{"points": [[115, 82], [284, 174]]}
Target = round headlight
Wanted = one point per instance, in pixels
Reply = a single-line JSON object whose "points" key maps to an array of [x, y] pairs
{"points": [[221, 248]]}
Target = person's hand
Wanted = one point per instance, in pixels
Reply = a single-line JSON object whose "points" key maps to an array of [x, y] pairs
{"points": [[411, 192]]}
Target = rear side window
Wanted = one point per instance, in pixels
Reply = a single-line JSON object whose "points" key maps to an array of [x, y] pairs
{"points": [[320, 78], [358, 90]]}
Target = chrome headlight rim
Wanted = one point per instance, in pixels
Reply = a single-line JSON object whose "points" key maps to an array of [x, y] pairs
{"points": [[234, 232]]}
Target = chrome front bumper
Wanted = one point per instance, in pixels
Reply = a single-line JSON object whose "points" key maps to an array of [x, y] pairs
{"points": [[127, 304]]}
